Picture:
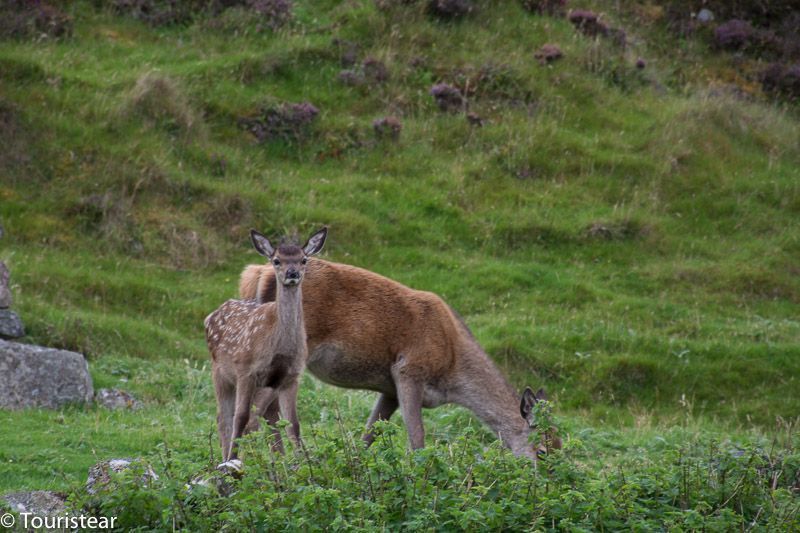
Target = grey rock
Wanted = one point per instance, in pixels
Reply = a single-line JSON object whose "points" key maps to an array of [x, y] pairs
{"points": [[100, 474], [5, 291], [38, 502], [10, 325], [233, 467], [116, 399], [222, 479], [34, 376], [705, 16]]}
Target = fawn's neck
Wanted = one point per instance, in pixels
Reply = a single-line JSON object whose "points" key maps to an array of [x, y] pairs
{"points": [[290, 324]]}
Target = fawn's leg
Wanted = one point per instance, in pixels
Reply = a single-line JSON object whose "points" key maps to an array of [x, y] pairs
{"points": [[272, 414], [263, 397], [226, 402], [385, 406], [266, 406], [244, 399], [288, 406], [409, 395]]}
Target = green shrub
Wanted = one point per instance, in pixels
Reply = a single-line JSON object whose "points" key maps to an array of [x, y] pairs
{"points": [[333, 482]]}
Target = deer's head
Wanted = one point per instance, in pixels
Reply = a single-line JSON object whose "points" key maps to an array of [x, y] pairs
{"points": [[289, 260], [538, 419]]}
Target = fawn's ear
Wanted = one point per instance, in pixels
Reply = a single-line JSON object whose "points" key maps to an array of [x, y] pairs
{"points": [[526, 403], [261, 244], [316, 242], [540, 395]]}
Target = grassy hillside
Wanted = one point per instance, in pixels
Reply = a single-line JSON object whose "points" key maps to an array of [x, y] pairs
{"points": [[628, 238]]}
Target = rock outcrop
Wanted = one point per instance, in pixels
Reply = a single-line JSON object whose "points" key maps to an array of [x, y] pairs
{"points": [[100, 474], [5, 291], [10, 325], [116, 399], [34, 376], [37, 502]]}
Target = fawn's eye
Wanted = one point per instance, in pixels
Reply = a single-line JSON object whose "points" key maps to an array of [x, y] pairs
{"points": [[276, 262], [304, 261]]}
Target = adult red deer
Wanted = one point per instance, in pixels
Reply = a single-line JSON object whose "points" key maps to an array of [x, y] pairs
{"points": [[261, 346], [365, 331]]}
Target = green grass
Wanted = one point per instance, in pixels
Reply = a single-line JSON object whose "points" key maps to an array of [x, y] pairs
{"points": [[694, 474], [124, 229]]}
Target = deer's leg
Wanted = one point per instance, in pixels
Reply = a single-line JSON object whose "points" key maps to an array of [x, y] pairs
{"points": [[266, 406], [262, 399], [384, 408], [272, 414], [288, 405], [410, 392], [226, 403], [245, 389]]}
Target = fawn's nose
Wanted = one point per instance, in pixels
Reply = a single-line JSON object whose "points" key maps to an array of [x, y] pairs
{"points": [[292, 274]]}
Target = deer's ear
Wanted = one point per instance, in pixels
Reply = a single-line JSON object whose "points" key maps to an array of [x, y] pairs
{"points": [[526, 403], [316, 242], [540, 395], [261, 244]]}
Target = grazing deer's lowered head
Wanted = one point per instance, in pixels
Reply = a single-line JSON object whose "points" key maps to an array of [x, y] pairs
{"points": [[550, 439], [261, 346]]}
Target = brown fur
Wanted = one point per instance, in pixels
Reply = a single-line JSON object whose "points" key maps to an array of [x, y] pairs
{"points": [[365, 331]]}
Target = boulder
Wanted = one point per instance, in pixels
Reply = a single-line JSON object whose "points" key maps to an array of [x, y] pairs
{"points": [[100, 474], [116, 399], [232, 467], [37, 502], [10, 325], [222, 478], [34, 376], [5, 291]]}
